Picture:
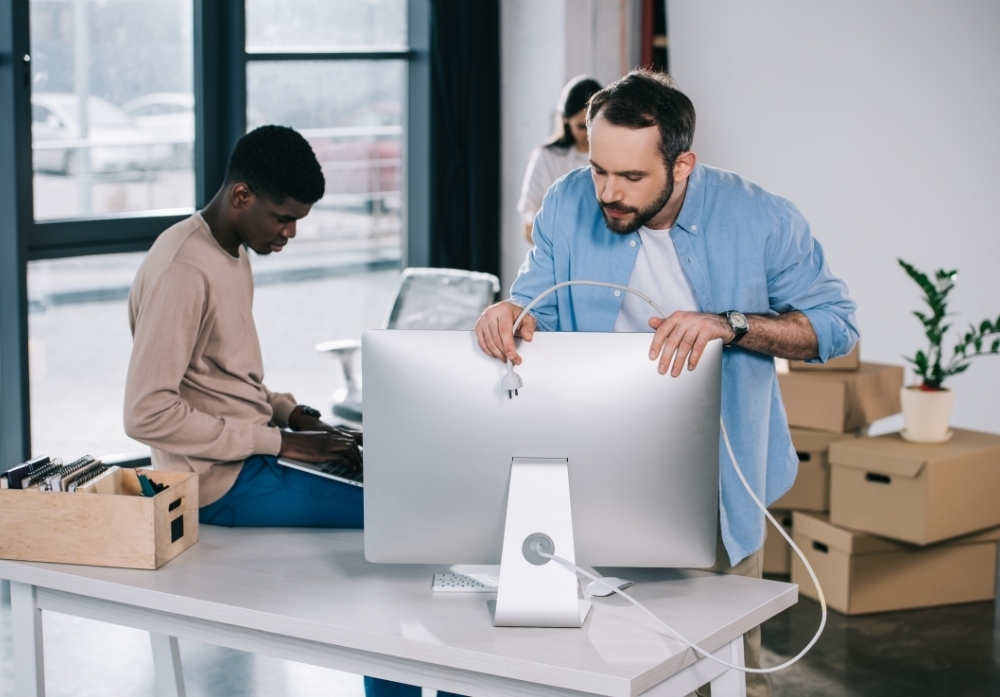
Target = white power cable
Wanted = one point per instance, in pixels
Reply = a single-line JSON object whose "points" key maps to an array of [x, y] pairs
{"points": [[601, 284], [674, 632], [746, 485], [511, 380]]}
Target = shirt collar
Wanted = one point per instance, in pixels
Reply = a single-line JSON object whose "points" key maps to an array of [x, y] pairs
{"points": [[689, 219]]}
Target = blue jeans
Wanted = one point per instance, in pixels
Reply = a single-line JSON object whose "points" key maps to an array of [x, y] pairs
{"points": [[270, 495], [267, 494]]}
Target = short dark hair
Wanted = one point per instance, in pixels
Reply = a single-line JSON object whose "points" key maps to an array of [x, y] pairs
{"points": [[277, 162], [642, 99]]}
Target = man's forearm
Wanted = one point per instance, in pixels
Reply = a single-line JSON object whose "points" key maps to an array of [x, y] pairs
{"points": [[790, 335]]}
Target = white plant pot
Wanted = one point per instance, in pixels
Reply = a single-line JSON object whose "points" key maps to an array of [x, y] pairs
{"points": [[927, 414]]}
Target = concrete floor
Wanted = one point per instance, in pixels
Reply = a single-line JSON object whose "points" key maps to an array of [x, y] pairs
{"points": [[953, 651]]}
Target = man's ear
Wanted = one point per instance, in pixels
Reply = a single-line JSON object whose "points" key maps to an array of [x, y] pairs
{"points": [[240, 196], [684, 165]]}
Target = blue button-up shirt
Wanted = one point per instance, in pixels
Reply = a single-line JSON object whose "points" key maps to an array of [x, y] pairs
{"points": [[742, 249]]}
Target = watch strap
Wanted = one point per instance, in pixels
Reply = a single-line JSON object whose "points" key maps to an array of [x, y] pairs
{"points": [[304, 410], [739, 332]]}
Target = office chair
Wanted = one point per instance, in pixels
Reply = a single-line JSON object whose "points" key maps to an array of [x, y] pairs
{"points": [[425, 299]]}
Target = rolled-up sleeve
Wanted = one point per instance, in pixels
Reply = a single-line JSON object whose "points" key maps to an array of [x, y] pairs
{"points": [[799, 278]]}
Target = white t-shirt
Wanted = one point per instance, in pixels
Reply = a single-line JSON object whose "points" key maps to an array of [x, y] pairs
{"points": [[658, 274], [544, 168]]}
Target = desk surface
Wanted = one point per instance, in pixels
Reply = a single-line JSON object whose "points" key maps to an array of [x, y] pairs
{"points": [[315, 585]]}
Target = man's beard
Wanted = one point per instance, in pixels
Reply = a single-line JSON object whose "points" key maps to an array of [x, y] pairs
{"points": [[642, 216]]}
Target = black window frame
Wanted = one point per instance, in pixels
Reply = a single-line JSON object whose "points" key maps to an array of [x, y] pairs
{"points": [[220, 63]]}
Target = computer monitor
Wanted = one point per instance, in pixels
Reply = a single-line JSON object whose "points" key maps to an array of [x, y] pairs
{"points": [[442, 439]]}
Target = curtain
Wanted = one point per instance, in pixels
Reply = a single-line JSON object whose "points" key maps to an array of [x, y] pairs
{"points": [[465, 135]]}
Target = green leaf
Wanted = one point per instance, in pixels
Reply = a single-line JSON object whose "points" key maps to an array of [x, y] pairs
{"points": [[920, 278], [996, 346], [961, 368], [985, 327]]}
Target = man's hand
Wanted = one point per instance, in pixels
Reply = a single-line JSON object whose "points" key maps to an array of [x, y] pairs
{"points": [[320, 446], [495, 331], [311, 423], [686, 334]]}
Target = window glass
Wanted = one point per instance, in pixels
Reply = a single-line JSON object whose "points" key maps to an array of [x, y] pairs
{"points": [[80, 342], [92, 63], [323, 24], [351, 113]]}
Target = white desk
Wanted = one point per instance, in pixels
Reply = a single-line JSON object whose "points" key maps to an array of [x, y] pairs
{"points": [[310, 596]]}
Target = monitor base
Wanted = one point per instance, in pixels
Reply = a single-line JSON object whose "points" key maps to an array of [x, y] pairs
{"points": [[534, 591]]}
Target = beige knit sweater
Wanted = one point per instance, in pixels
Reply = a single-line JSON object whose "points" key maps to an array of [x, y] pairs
{"points": [[195, 390]]}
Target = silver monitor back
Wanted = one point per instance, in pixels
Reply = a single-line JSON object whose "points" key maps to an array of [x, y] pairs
{"points": [[440, 434]]}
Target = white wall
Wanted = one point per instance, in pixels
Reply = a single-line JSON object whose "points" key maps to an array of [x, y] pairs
{"points": [[543, 44], [881, 121]]}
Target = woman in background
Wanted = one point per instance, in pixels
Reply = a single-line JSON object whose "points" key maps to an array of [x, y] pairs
{"points": [[566, 150]]}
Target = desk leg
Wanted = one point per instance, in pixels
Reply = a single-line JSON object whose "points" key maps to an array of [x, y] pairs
{"points": [[732, 683], [26, 623], [167, 661]]}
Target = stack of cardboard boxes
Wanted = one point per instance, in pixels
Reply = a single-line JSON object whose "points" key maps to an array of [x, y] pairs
{"points": [[825, 403], [886, 524]]}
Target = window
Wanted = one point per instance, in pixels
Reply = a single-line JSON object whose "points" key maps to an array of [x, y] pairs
{"points": [[351, 112], [328, 24], [112, 106], [125, 141], [335, 70], [78, 352], [80, 342]]}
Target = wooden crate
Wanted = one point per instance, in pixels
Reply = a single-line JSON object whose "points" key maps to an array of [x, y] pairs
{"points": [[125, 530]]}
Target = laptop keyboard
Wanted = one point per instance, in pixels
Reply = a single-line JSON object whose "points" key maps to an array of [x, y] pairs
{"points": [[339, 469]]}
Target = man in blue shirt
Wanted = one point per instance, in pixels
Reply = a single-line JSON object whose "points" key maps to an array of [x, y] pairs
{"points": [[725, 258]]}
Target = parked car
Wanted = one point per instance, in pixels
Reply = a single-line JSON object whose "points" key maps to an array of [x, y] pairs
{"points": [[113, 141], [167, 115]]}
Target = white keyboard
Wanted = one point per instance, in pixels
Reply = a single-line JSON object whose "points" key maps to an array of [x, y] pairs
{"points": [[465, 583]]}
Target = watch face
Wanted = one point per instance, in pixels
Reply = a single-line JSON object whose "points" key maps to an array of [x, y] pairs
{"points": [[738, 321]]}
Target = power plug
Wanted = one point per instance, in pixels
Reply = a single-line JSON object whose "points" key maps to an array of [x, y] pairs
{"points": [[511, 381]]}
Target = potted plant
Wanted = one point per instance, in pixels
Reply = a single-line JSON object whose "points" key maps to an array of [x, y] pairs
{"points": [[927, 406]]}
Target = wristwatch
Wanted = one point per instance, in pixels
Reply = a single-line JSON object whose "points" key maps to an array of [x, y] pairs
{"points": [[304, 411], [738, 323]]}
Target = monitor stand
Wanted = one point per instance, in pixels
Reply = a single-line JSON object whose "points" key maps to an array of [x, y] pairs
{"points": [[535, 591]]}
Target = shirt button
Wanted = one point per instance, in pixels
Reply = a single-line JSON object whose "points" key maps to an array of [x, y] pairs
{"points": [[694, 227], [617, 293], [631, 243]]}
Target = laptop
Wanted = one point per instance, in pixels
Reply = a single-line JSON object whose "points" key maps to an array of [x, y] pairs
{"points": [[337, 471]]}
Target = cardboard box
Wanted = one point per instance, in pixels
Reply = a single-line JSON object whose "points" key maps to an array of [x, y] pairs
{"points": [[811, 491], [916, 492], [851, 361], [841, 401], [861, 573], [777, 553], [124, 529]]}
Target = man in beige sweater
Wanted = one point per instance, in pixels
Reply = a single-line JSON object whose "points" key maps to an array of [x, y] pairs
{"points": [[195, 392]]}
